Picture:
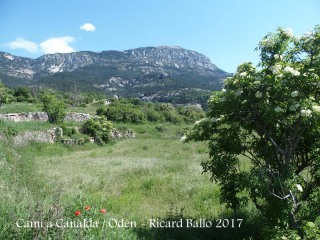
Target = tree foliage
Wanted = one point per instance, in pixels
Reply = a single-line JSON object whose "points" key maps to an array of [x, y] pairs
{"points": [[5, 94], [269, 115], [23, 94], [54, 107], [133, 110]]}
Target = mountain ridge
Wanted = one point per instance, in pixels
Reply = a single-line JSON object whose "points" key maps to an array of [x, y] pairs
{"points": [[138, 72]]}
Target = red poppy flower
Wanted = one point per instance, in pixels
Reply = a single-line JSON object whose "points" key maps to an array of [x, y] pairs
{"points": [[103, 210], [87, 208], [77, 213]]}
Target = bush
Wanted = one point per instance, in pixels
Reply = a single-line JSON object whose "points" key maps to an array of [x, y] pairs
{"points": [[153, 116], [54, 107], [101, 111], [191, 113], [99, 128], [68, 131], [23, 94], [123, 112]]}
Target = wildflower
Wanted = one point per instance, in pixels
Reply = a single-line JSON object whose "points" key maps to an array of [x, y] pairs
{"points": [[299, 187], [77, 213], [199, 121], [258, 94], [288, 32], [256, 82], [278, 109], [277, 56], [223, 90], [183, 138], [267, 42], [292, 71], [316, 108], [275, 69], [243, 74], [305, 112], [294, 93], [103, 210], [215, 119], [87, 208]]}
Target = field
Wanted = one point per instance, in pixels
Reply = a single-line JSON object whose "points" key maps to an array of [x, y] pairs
{"points": [[152, 176]]}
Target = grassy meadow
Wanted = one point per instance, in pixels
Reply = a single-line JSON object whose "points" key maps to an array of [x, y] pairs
{"points": [[152, 176]]}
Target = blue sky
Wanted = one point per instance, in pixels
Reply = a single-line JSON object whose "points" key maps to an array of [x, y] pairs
{"points": [[226, 31]]}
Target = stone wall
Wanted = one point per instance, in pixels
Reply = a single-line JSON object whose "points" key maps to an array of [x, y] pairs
{"points": [[122, 134], [42, 116], [49, 136]]}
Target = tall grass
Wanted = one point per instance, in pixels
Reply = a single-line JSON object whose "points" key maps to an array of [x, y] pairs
{"points": [[152, 176], [17, 107]]}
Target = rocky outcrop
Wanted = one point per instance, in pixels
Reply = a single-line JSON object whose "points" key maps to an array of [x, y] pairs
{"points": [[156, 59]]}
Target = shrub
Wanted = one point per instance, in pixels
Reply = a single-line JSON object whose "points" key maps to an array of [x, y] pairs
{"points": [[99, 128], [101, 111], [153, 116], [192, 114], [124, 112]]}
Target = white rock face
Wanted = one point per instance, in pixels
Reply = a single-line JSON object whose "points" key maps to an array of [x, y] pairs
{"points": [[55, 68], [8, 56]]}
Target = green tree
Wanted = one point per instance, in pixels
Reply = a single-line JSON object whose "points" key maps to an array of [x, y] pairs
{"points": [[23, 94], [5, 94], [269, 115], [54, 107]]}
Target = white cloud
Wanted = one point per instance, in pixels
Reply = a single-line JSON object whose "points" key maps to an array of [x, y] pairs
{"points": [[57, 45], [88, 27], [20, 43]]}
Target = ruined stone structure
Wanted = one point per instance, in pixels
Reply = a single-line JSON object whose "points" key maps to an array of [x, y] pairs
{"points": [[55, 134], [49, 136], [122, 134], [42, 116]]}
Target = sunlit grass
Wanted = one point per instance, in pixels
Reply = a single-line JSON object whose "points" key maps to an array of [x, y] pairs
{"points": [[136, 179], [17, 107], [132, 175]]}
